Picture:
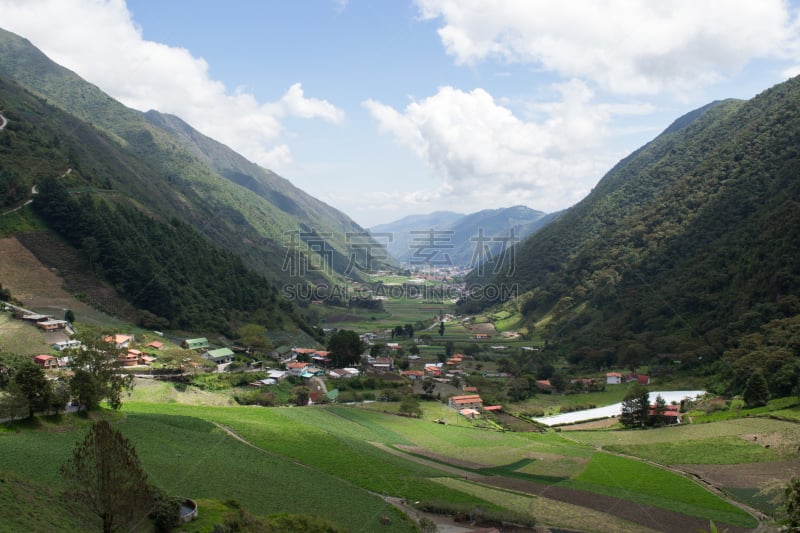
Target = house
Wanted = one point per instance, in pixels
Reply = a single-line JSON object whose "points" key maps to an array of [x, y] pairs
{"points": [[148, 360], [195, 344], [455, 360], [481, 336], [643, 379], [220, 355], [277, 374], [385, 364], [51, 325], [130, 358], [46, 361], [60, 346], [119, 340], [155, 344], [468, 401], [413, 374], [613, 378], [433, 370], [494, 408], [469, 412], [320, 357], [544, 385], [296, 368], [302, 352], [35, 318], [671, 415]]}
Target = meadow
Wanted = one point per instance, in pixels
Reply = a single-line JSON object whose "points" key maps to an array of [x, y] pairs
{"points": [[334, 461]]}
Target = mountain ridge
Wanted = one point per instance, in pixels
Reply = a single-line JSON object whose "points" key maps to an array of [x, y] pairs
{"points": [[689, 246], [464, 239], [192, 176]]}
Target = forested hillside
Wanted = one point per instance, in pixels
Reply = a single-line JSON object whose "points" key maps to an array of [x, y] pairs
{"points": [[683, 251], [172, 169]]}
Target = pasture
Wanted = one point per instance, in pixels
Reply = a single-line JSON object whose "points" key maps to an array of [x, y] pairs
{"points": [[334, 460], [338, 441]]}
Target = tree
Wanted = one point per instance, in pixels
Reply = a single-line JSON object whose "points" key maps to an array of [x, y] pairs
{"points": [[345, 347], [441, 328], [409, 405], [34, 386], [408, 331], [13, 403], [428, 386], [301, 395], [97, 374], [558, 381], [791, 498], [756, 390], [69, 315], [659, 418], [254, 336], [635, 407], [105, 474], [449, 348]]}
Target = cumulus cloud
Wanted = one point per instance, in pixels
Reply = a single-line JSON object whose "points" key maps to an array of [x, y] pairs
{"points": [[623, 46], [480, 148], [100, 42]]}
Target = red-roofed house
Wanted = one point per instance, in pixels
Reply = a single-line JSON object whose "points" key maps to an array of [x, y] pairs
{"points": [[472, 401], [296, 368], [131, 358], [433, 370], [156, 344], [613, 378], [119, 340], [46, 361], [413, 374]]}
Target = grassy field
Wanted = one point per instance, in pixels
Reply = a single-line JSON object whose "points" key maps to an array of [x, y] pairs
{"points": [[190, 456], [644, 483], [332, 461]]}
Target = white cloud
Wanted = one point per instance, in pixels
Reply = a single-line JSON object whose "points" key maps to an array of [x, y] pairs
{"points": [[481, 150], [628, 47], [100, 42]]}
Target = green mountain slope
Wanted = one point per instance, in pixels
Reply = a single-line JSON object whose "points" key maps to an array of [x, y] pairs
{"points": [[172, 169], [684, 247], [169, 273]]}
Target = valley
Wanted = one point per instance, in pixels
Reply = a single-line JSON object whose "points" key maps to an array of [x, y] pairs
{"points": [[381, 461], [628, 363]]}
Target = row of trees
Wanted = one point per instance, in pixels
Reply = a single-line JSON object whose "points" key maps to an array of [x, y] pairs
{"points": [[95, 378]]}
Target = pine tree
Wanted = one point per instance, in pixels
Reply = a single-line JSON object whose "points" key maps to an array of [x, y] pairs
{"points": [[106, 475], [658, 418], [756, 390], [635, 407]]}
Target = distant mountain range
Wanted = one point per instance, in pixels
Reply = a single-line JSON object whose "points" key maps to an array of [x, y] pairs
{"points": [[446, 238]]}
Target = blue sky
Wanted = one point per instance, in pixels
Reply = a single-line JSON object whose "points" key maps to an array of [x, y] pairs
{"points": [[389, 108]]}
